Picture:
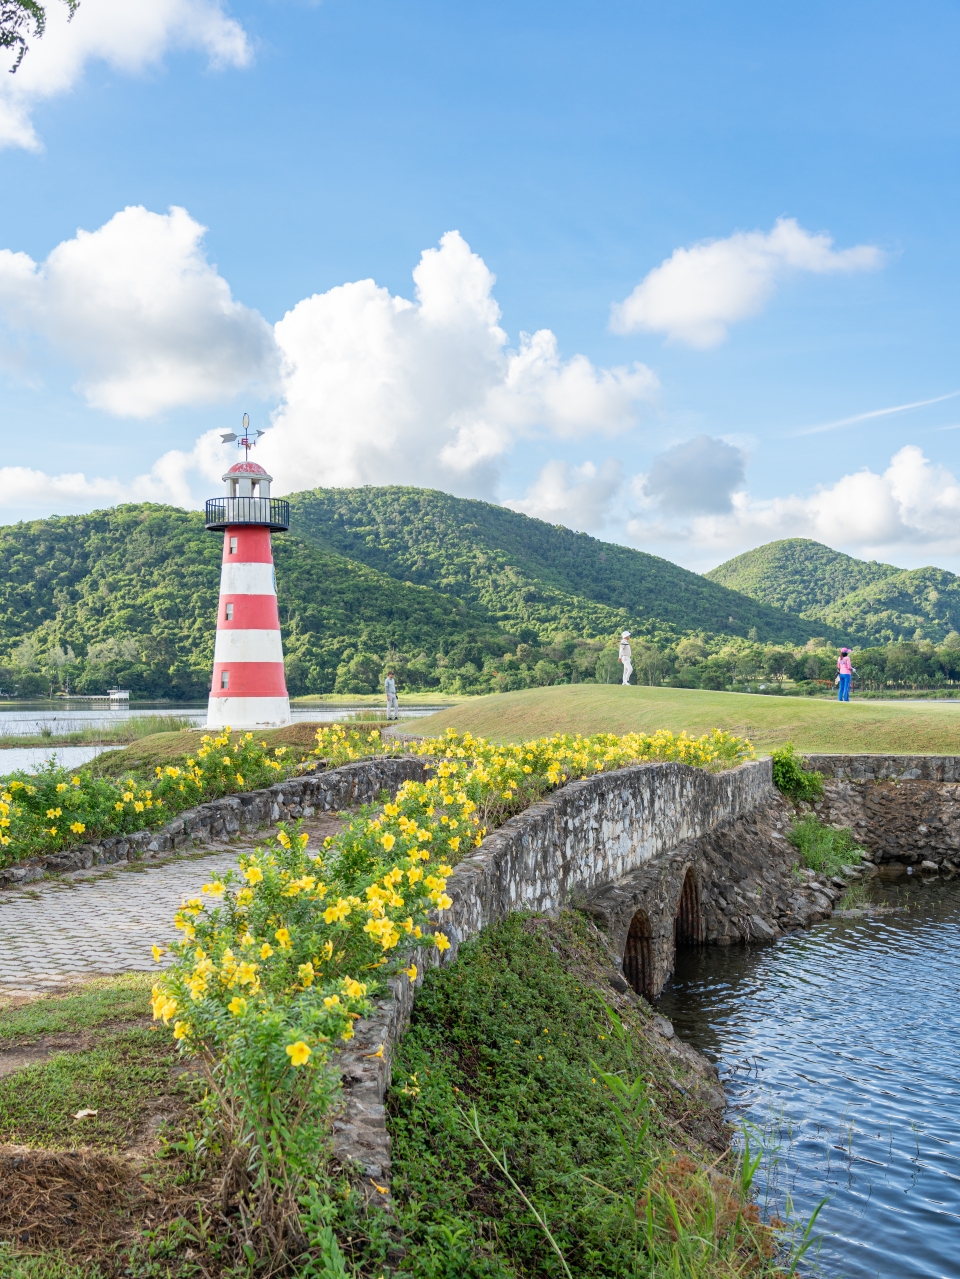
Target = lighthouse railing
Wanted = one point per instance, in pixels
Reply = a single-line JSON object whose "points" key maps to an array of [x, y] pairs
{"points": [[222, 512]]}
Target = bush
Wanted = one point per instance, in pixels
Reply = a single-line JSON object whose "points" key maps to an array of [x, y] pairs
{"points": [[792, 779], [824, 848]]}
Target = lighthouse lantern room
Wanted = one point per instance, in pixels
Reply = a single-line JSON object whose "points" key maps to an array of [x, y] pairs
{"points": [[249, 690]]}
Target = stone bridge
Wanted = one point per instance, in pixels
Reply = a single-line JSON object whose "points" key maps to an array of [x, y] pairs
{"points": [[660, 855]]}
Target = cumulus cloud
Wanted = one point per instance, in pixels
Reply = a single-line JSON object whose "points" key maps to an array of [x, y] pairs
{"points": [[168, 480], [129, 35], [136, 307], [698, 292], [378, 389], [578, 496], [697, 476], [909, 512]]}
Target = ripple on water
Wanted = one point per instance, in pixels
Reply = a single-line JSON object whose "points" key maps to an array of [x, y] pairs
{"points": [[842, 1044]]}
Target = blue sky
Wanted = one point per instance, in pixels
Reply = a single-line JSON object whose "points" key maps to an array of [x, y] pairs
{"points": [[575, 149]]}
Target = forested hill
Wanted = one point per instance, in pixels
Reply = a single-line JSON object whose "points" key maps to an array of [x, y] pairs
{"points": [[453, 593], [863, 598], [525, 574], [129, 595]]}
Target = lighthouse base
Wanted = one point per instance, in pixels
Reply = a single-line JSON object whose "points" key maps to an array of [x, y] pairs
{"points": [[248, 712]]}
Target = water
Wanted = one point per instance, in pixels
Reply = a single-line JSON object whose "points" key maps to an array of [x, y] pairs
{"points": [[843, 1043], [28, 719]]}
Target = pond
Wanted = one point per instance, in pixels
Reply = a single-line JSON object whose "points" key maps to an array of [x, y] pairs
{"points": [[63, 715], [842, 1044]]}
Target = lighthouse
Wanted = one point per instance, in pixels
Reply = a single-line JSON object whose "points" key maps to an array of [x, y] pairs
{"points": [[248, 690]]}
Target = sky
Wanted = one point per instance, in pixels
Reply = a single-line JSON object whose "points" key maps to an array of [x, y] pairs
{"points": [[685, 277]]}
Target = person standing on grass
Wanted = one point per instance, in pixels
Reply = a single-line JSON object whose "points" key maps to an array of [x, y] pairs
{"points": [[390, 688], [626, 656], [845, 674]]}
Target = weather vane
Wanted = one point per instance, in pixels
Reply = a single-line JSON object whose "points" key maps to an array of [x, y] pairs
{"points": [[244, 441]]}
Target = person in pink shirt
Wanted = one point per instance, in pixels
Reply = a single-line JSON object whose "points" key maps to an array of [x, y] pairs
{"points": [[845, 674]]}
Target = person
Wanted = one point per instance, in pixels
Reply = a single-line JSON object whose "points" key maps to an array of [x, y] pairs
{"points": [[845, 674], [625, 656], [390, 688]]}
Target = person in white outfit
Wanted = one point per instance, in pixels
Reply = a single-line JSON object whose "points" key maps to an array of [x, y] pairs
{"points": [[390, 688], [625, 656]]}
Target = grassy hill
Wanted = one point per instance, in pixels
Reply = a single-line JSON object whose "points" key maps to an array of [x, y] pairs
{"points": [[855, 727], [525, 575], [865, 600]]}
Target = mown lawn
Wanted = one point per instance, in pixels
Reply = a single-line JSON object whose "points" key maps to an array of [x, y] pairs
{"points": [[858, 727]]}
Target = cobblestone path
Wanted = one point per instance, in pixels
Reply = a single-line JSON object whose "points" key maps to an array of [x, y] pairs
{"points": [[103, 921]]}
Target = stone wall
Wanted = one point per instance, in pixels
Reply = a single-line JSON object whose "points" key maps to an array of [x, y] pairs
{"points": [[904, 809], [320, 791]]}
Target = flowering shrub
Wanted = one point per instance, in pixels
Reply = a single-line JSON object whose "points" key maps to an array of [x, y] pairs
{"points": [[56, 808], [341, 745]]}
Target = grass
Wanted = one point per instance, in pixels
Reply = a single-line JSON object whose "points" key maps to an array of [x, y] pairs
{"points": [[20, 1266], [116, 1079], [814, 726], [128, 730], [170, 748], [824, 848], [103, 1000], [554, 1174]]}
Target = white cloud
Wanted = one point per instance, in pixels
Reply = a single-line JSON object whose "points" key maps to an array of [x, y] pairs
{"points": [[697, 476], [577, 496], [168, 480], [378, 389], [136, 307], [696, 293], [129, 35], [907, 514]]}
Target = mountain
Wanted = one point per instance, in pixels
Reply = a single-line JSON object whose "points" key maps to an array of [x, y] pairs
{"points": [[526, 575], [133, 591], [866, 600], [456, 593]]}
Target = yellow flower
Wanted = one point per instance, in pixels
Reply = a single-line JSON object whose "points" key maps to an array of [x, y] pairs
{"points": [[237, 1005], [182, 1030], [246, 973], [283, 938], [74, 781], [253, 875], [283, 839], [388, 841], [78, 828], [138, 807], [216, 889], [266, 950], [411, 972], [441, 942], [61, 786], [298, 1053], [355, 989], [54, 812], [306, 974], [158, 952], [332, 1001]]}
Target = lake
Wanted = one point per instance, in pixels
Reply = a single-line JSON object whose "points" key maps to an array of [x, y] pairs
{"points": [[842, 1044]]}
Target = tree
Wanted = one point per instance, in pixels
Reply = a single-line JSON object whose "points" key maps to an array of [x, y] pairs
{"points": [[23, 19]]}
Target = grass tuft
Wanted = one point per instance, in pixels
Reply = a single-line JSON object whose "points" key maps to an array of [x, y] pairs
{"points": [[102, 1000], [824, 848]]}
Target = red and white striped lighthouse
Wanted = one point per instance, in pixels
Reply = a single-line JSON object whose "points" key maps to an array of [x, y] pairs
{"points": [[249, 689]]}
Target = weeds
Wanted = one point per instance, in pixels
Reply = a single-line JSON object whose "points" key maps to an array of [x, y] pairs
{"points": [[824, 848], [792, 779]]}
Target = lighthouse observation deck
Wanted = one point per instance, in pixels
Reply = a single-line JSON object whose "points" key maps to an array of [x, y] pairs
{"points": [[267, 512]]}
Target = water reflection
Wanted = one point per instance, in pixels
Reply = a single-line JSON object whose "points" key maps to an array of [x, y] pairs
{"points": [[842, 1043]]}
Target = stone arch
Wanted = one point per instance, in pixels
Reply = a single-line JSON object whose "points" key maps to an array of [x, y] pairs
{"points": [[688, 923], [638, 956]]}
